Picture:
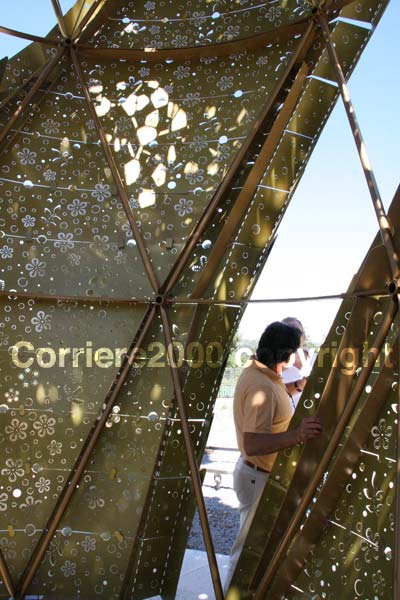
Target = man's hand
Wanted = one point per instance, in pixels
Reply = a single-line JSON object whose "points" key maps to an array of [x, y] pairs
{"points": [[300, 384], [309, 428]]}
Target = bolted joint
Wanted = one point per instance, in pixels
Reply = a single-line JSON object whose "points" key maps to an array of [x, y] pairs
{"points": [[68, 43], [315, 5], [160, 299]]}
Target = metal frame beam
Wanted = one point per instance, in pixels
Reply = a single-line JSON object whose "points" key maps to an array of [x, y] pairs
{"points": [[251, 182], [89, 15], [344, 465], [370, 274], [297, 517], [75, 24], [352, 336], [30, 37], [235, 167], [383, 222], [306, 27], [356, 294], [48, 67], [15, 91], [140, 534], [194, 469], [6, 576], [76, 299], [60, 18], [385, 231], [83, 458], [381, 292], [196, 52], [117, 177], [174, 371]]}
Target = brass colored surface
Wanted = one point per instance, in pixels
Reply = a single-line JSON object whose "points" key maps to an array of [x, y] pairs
{"points": [[5, 574], [360, 531], [83, 458], [250, 184], [12, 87], [346, 460], [383, 222], [332, 389], [252, 43], [78, 299], [194, 472], [28, 98], [325, 460], [60, 18], [201, 24], [77, 15], [81, 19], [118, 181], [235, 168], [148, 154]]}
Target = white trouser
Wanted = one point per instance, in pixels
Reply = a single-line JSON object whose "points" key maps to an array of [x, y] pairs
{"points": [[248, 485]]}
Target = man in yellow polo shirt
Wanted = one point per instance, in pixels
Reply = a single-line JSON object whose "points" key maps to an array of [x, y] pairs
{"points": [[262, 410]]}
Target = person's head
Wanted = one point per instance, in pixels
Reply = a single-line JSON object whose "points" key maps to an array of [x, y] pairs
{"points": [[277, 343], [293, 322]]}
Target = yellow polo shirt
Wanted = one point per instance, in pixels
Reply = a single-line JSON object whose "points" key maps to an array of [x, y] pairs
{"points": [[261, 404]]}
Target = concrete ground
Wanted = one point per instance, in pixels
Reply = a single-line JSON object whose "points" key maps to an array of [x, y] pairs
{"points": [[196, 574], [222, 434]]}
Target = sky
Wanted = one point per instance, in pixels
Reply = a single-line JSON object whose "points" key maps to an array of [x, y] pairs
{"points": [[330, 222]]}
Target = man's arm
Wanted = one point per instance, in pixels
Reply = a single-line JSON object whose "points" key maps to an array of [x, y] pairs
{"points": [[257, 444]]}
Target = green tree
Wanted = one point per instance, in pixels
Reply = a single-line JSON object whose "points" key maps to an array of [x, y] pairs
{"points": [[236, 342]]}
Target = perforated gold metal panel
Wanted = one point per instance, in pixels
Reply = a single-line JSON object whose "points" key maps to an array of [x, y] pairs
{"points": [[327, 513], [148, 154]]}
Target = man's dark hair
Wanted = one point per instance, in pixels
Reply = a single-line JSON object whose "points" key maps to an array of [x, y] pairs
{"points": [[277, 343], [293, 322]]}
